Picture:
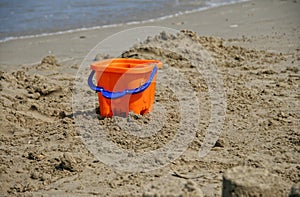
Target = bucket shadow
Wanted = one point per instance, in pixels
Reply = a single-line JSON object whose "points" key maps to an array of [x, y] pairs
{"points": [[94, 113]]}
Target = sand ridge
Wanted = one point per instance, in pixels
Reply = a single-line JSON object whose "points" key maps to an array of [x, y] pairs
{"points": [[43, 154]]}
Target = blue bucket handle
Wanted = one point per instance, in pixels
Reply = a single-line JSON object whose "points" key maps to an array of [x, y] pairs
{"points": [[114, 95]]}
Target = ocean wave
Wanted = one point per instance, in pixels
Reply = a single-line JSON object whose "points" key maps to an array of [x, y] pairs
{"points": [[211, 5]]}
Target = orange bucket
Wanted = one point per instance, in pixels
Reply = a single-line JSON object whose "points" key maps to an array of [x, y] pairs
{"points": [[124, 85]]}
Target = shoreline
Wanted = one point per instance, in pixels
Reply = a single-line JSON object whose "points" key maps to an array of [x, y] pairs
{"points": [[249, 19], [253, 20], [68, 31]]}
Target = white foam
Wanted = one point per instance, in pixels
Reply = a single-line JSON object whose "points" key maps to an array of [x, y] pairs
{"points": [[212, 5]]}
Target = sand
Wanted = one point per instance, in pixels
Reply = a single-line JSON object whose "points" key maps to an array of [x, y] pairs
{"points": [[255, 49]]}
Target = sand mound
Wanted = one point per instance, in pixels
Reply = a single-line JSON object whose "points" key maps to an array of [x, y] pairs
{"points": [[42, 152]]}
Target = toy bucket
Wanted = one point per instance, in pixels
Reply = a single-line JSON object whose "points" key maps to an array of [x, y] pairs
{"points": [[124, 85]]}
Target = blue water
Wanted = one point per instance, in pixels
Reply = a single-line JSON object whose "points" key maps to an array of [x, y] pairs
{"points": [[32, 17]]}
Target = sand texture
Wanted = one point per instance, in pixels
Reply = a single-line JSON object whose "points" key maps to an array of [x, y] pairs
{"points": [[251, 49], [43, 153]]}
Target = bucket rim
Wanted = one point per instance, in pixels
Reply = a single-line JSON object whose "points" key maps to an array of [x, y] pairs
{"points": [[125, 65]]}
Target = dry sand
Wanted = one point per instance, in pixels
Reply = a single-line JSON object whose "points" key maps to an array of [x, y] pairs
{"points": [[258, 58]]}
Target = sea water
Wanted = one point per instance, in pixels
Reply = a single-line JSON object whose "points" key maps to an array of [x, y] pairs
{"points": [[27, 18]]}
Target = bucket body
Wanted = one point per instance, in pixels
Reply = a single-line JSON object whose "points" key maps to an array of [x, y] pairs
{"points": [[129, 79]]}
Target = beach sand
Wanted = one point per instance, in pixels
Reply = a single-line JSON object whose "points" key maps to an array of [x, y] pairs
{"points": [[255, 47]]}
